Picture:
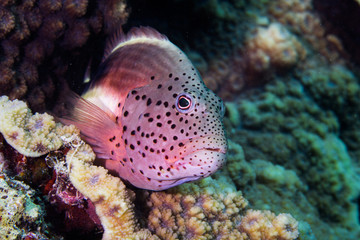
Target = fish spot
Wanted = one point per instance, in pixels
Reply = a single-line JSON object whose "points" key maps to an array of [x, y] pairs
{"points": [[159, 124], [166, 104], [119, 104], [173, 126], [168, 114], [132, 132], [150, 119], [159, 86], [170, 88], [148, 102], [170, 75], [132, 147], [126, 113], [176, 79], [137, 97], [152, 77], [158, 103], [143, 97]]}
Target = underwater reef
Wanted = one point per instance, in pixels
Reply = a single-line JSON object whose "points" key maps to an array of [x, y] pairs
{"points": [[288, 71]]}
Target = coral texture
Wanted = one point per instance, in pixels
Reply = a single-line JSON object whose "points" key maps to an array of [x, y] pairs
{"points": [[307, 158], [213, 208], [38, 38], [113, 202], [193, 211], [32, 135], [21, 216]]}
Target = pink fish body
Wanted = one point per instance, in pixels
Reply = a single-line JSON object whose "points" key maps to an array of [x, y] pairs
{"points": [[149, 116]]}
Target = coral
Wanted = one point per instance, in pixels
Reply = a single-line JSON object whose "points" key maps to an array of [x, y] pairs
{"points": [[212, 208], [301, 18], [43, 36], [265, 225], [195, 210], [284, 125], [21, 215], [113, 202], [272, 47], [31, 135]]}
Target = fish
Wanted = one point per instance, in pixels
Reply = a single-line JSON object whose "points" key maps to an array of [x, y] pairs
{"points": [[148, 115]]}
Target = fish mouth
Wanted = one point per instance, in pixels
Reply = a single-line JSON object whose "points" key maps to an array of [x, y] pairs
{"points": [[219, 150]]}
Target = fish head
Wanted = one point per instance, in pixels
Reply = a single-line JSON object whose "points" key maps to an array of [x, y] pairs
{"points": [[173, 130]]}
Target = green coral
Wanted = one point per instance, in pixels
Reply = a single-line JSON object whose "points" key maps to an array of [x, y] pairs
{"points": [[309, 171]]}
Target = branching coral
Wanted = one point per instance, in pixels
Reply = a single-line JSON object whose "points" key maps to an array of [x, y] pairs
{"points": [[265, 225], [210, 209]]}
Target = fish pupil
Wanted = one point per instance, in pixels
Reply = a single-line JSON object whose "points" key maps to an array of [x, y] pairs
{"points": [[184, 103]]}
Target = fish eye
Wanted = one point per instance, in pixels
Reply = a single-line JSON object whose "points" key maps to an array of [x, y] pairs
{"points": [[184, 103]]}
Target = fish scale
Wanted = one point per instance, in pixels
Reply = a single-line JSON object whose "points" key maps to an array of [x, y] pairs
{"points": [[149, 115]]}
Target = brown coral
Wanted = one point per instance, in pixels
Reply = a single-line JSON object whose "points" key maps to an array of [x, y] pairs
{"points": [[33, 31], [260, 225], [211, 209]]}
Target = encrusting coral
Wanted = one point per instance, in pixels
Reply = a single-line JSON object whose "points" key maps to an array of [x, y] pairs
{"points": [[111, 199], [113, 202], [21, 216], [304, 154], [33, 135], [193, 211]]}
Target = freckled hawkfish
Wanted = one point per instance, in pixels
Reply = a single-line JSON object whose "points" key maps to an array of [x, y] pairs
{"points": [[149, 116]]}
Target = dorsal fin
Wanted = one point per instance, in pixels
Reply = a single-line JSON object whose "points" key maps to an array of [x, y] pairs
{"points": [[119, 38]]}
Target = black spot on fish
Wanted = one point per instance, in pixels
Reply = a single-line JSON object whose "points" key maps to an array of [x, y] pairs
{"points": [[148, 102], [126, 113], [158, 103], [152, 77]]}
